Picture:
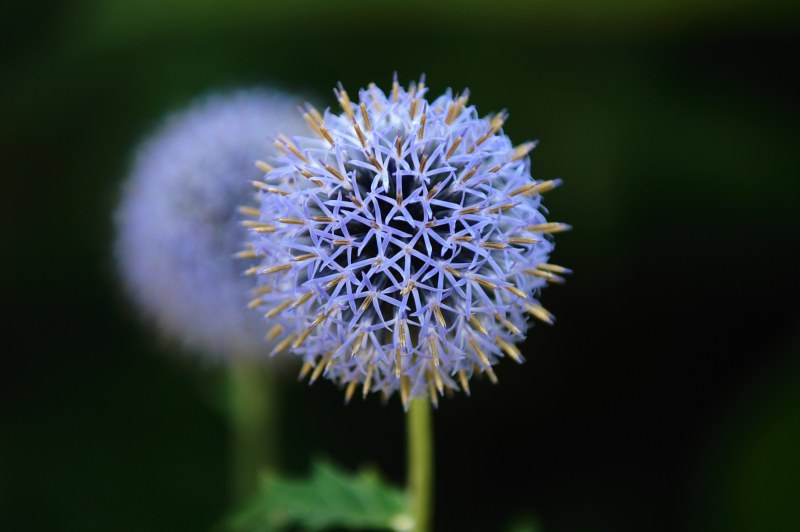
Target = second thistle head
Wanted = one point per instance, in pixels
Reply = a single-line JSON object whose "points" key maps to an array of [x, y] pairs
{"points": [[177, 224], [403, 247]]}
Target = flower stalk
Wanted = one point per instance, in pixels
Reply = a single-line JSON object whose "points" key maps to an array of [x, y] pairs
{"points": [[253, 420], [419, 434]]}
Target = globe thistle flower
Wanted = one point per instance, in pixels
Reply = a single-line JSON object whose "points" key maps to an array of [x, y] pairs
{"points": [[403, 248], [177, 224]]}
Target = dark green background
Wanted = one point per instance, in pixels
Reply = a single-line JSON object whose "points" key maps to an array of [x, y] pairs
{"points": [[667, 397]]}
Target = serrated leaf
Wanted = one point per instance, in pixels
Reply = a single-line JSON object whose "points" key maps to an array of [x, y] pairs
{"points": [[328, 498]]}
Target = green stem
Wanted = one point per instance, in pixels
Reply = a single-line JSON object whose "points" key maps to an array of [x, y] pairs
{"points": [[253, 428], [419, 434]]}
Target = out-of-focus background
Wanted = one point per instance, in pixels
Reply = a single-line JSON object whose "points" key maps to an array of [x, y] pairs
{"points": [[667, 396]]}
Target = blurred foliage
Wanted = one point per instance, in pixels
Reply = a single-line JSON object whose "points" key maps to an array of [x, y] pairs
{"points": [[525, 524], [119, 20], [329, 498], [750, 478]]}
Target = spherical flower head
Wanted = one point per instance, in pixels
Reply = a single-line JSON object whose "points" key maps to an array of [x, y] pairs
{"points": [[178, 226], [405, 244]]}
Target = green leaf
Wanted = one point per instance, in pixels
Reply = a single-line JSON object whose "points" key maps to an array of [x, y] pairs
{"points": [[329, 498]]}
